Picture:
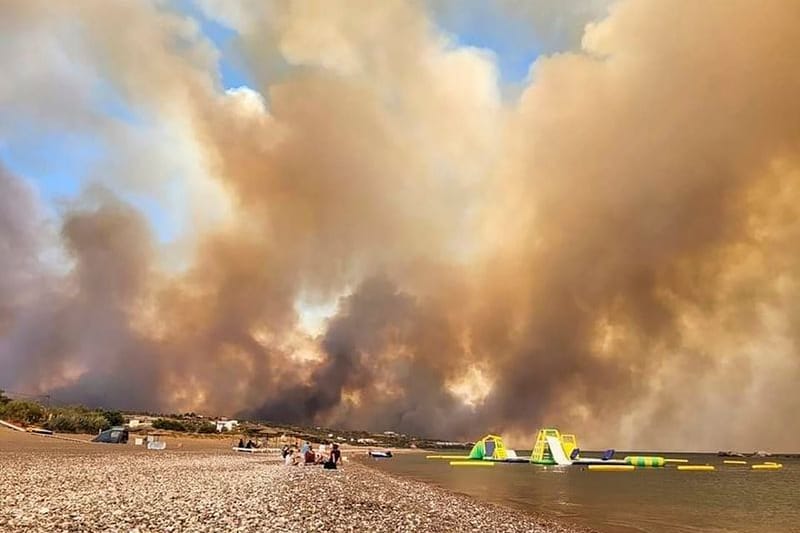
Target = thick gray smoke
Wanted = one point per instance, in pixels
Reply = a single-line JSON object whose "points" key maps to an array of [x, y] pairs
{"points": [[613, 252]]}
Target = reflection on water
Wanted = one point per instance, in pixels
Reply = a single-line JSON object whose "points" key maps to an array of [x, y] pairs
{"points": [[731, 499]]}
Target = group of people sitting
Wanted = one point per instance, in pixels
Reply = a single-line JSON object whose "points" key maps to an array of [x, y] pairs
{"points": [[305, 455], [250, 444]]}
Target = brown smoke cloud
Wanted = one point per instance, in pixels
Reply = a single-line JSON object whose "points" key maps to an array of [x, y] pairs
{"points": [[614, 252]]}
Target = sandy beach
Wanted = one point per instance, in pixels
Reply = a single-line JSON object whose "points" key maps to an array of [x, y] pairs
{"points": [[200, 485]]}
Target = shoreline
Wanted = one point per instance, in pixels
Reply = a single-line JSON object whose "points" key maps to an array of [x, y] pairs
{"points": [[501, 517], [54, 485]]}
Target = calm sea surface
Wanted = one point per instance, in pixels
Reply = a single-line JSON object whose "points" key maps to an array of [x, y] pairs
{"points": [[732, 498]]}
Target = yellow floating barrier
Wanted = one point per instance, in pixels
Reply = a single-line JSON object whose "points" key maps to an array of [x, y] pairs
{"points": [[676, 460], [767, 466], [696, 468], [472, 463], [732, 462], [447, 457], [611, 468]]}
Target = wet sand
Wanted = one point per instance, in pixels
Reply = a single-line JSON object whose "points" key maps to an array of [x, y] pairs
{"points": [[201, 485]]}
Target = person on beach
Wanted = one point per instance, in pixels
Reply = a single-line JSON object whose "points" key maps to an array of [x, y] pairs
{"points": [[241, 443], [310, 457], [334, 459], [289, 458], [305, 448]]}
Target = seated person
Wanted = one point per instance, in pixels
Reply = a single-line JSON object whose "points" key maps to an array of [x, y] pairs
{"points": [[310, 457], [334, 459], [297, 457], [288, 459]]}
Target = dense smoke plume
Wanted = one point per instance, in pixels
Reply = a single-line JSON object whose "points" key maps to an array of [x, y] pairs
{"points": [[613, 251]]}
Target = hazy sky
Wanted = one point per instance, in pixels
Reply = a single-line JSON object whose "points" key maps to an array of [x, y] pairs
{"points": [[443, 217]]}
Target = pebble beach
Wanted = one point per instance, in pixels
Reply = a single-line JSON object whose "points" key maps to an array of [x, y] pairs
{"points": [[49, 485]]}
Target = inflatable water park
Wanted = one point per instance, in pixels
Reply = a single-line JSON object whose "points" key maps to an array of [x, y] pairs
{"points": [[553, 448]]}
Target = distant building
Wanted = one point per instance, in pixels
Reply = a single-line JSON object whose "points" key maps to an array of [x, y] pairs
{"points": [[226, 425], [390, 433], [366, 441]]}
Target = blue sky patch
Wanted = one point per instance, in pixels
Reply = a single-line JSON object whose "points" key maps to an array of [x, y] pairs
{"points": [[513, 42], [232, 70]]}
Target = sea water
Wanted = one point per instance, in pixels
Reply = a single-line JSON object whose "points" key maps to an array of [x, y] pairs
{"points": [[653, 500]]}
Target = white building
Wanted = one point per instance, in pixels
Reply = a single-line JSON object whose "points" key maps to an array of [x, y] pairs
{"points": [[226, 425]]}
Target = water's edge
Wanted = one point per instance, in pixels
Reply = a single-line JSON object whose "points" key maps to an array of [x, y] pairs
{"points": [[562, 522]]}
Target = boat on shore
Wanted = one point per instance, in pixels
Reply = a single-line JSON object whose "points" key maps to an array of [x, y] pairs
{"points": [[385, 454]]}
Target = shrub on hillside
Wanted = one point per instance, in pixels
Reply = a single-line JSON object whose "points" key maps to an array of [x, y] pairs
{"points": [[207, 427], [114, 418], [92, 423], [171, 425], [77, 420], [62, 423], [22, 411]]}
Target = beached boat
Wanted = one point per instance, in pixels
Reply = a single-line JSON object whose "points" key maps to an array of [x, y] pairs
{"points": [[252, 450], [380, 454]]}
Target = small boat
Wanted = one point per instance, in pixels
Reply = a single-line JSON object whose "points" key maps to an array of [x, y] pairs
{"points": [[380, 455], [252, 450]]}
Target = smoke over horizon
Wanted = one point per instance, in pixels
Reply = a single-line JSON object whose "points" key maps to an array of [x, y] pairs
{"points": [[376, 233]]}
